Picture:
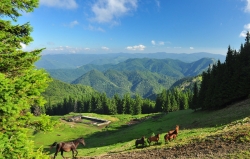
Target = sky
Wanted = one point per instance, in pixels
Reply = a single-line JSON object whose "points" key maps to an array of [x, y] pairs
{"points": [[138, 26]]}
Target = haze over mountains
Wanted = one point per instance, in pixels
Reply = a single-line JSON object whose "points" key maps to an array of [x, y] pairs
{"points": [[58, 61], [145, 74]]}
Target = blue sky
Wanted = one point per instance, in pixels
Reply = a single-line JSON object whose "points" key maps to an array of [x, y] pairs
{"points": [[138, 26]]}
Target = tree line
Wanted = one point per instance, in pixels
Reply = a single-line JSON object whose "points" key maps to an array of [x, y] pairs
{"points": [[225, 83], [167, 101]]}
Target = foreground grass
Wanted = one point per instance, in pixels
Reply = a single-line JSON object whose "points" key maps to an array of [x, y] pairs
{"points": [[119, 137]]}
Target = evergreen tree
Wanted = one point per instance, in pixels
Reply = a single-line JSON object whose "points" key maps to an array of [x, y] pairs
{"points": [[195, 103], [20, 83], [228, 82], [137, 104]]}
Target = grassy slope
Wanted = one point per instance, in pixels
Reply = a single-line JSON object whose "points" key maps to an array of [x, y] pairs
{"points": [[119, 138]]}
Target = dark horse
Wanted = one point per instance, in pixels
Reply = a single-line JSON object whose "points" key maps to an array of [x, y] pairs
{"points": [[154, 138], [68, 146], [140, 141]]}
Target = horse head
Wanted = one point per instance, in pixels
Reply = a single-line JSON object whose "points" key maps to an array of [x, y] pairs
{"points": [[177, 127], [158, 135], [81, 140]]}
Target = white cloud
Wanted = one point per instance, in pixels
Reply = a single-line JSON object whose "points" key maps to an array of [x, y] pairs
{"points": [[191, 48], [93, 28], [153, 42], [161, 42], [105, 48], [247, 9], [108, 11], [158, 43], [246, 29], [67, 4], [247, 26], [23, 45], [74, 23], [136, 47], [66, 49]]}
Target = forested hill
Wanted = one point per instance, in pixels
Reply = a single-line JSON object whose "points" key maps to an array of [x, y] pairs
{"points": [[227, 82], [66, 61], [168, 67], [57, 91], [143, 76]]}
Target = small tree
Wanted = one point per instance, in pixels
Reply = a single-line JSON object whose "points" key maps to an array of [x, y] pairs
{"points": [[20, 83]]}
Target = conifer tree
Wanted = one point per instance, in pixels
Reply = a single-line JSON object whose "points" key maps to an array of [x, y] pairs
{"points": [[194, 104], [137, 104], [20, 83]]}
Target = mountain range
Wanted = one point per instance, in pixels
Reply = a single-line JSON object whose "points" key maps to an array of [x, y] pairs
{"points": [[69, 61], [145, 76]]}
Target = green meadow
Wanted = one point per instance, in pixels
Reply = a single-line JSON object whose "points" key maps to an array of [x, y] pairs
{"points": [[119, 136]]}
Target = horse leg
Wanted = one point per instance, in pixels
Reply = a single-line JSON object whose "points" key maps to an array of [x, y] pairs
{"points": [[57, 150], [76, 152], [72, 153], [55, 154], [62, 153]]}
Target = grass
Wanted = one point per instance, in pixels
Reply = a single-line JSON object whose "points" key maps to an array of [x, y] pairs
{"points": [[119, 137]]}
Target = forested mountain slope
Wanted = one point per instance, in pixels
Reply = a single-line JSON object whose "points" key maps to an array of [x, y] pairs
{"points": [[169, 67], [57, 91], [114, 82], [143, 76]]}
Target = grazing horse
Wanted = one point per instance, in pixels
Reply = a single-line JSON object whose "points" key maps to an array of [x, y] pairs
{"points": [[154, 138], [68, 146], [172, 134], [168, 137], [140, 141], [175, 131]]}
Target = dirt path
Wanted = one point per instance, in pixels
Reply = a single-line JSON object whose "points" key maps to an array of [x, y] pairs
{"points": [[208, 149], [222, 145]]}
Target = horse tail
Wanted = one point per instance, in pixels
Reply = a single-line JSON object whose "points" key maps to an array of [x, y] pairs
{"points": [[53, 145]]}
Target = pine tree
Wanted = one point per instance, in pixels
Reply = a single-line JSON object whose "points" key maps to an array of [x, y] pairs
{"points": [[137, 104], [20, 83], [194, 104]]}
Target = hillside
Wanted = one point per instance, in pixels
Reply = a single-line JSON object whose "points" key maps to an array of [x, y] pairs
{"points": [[187, 83], [204, 134], [114, 82], [143, 76], [169, 67], [57, 91], [66, 61]]}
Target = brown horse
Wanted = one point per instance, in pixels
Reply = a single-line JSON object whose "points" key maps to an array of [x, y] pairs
{"points": [[168, 137], [175, 131], [68, 146], [154, 138], [172, 134], [140, 141]]}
